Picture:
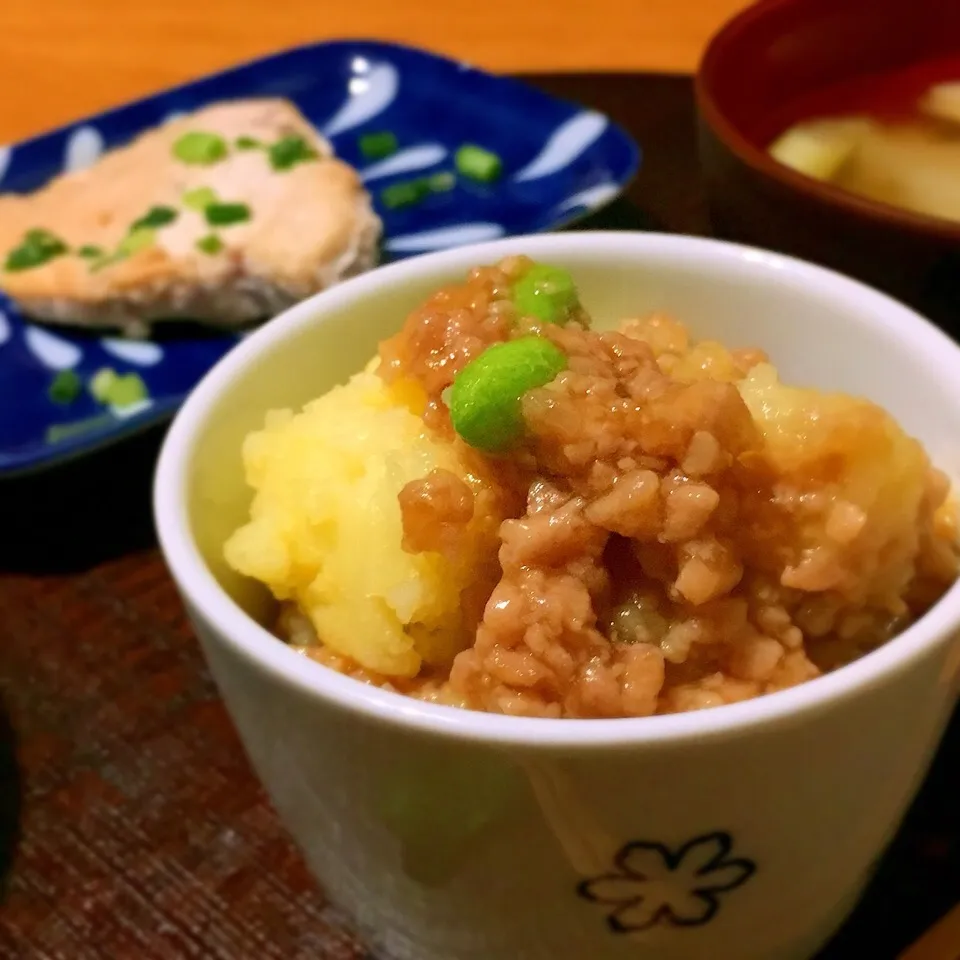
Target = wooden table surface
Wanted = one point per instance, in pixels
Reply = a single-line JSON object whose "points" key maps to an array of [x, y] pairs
{"points": [[60, 59], [142, 834]]}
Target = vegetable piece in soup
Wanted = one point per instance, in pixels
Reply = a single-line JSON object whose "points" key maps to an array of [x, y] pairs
{"points": [[908, 159]]}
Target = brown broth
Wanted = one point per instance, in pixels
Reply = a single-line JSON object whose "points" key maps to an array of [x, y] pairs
{"points": [[890, 96], [899, 155]]}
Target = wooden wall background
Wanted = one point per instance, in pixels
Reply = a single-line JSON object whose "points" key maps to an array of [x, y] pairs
{"points": [[60, 59]]}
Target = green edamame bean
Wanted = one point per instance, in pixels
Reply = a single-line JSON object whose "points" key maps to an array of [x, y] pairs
{"points": [[485, 397], [545, 292]]}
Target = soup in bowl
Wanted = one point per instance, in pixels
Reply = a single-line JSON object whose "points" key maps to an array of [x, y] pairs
{"points": [[349, 537], [829, 131]]}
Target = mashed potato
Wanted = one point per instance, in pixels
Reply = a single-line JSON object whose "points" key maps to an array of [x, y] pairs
{"points": [[325, 527], [858, 484]]}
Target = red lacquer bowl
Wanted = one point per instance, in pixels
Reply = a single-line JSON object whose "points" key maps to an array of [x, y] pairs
{"points": [[782, 60]]}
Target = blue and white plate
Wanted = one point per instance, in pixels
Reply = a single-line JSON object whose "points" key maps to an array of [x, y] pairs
{"points": [[561, 162]]}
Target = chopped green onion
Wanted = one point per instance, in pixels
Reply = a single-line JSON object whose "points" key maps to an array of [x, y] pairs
{"points": [[126, 390], [376, 146], [90, 252], [155, 217], [106, 261], [289, 151], [37, 248], [199, 198], [136, 240], [100, 384], [64, 431], [200, 148], [408, 192], [404, 194], [225, 214], [247, 143], [139, 238], [478, 164], [485, 399], [37, 235], [210, 244], [441, 182], [65, 387], [547, 293]]}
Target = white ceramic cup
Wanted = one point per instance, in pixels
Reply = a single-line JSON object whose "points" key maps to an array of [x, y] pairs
{"points": [[736, 833]]}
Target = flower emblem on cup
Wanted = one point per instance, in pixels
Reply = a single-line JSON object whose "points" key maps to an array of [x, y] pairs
{"points": [[653, 885]]}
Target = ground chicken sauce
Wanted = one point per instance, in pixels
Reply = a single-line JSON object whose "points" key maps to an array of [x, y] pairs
{"points": [[652, 547]]}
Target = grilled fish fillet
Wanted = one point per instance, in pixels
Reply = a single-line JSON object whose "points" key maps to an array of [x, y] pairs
{"points": [[308, 224]]}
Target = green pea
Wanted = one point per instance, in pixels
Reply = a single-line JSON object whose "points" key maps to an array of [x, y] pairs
{"points": [[485, 397], [547, 293]]}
